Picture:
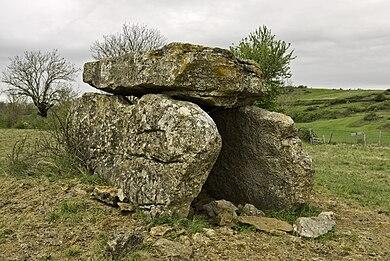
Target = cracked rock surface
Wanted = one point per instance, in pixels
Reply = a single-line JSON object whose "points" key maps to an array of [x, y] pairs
{"points": [[159, 151], [262, 161], [203, 75]]}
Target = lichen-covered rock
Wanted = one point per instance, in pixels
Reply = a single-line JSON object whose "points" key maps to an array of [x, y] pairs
{"points": [[314, 227], [261, 162], [172, 250], [266, 224], [222, 211], [250, 210], [159, 151], [108, 195], [207, 76]]}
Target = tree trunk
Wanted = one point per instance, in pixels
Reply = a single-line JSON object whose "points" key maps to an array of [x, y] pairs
{"points": [[42, 110]]}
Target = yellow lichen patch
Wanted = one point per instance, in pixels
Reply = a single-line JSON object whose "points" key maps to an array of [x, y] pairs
{"points": [[225, 71]]}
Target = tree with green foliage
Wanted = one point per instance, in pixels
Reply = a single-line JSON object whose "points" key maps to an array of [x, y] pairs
{"points": [[272, 55]]}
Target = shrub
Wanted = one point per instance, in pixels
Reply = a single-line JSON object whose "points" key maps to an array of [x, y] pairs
{"points": [[57, 152], [306, 134], [372, 116], [273, 57], [380, 97]]}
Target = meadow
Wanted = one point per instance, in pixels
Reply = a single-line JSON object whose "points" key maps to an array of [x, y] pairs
{"points": [[49, 216], [336, 115]]}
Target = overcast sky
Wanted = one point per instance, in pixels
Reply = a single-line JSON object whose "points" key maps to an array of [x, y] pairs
{"points": [[338, 43]]}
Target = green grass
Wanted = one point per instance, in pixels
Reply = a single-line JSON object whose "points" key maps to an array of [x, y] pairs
{"points": [[73, 251], [341, 129], [338, 113], [244, 228], [4, 232], [353, 172], [291, 215], [19, 158], [71, 210], [192, 225]]}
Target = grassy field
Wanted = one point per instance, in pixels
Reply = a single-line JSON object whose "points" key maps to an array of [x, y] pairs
{"points": [[354, 173], [339, 113], [55, 219]]}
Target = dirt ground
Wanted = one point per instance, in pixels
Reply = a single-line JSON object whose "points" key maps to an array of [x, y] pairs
{"points": [[58, 220]]}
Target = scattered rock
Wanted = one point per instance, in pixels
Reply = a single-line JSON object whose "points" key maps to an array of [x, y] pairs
{"points": [[208, 76], [126, 207], [201, 239], [226, 231], [261, 162], [250, 210], [159, 151], [108, 195], [160, 230], [123, 241], [209, 232], [222, 211], [80, 192], [202, 199], [314, 227], [121, 195], [173, 250], [185, 240], [270, 225]]}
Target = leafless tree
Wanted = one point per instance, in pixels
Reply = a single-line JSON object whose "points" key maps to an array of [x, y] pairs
{"points": [[39, 76], [133, 38]]}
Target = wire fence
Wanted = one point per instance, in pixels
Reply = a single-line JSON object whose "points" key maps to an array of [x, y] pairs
{"points": [[380, 138]]}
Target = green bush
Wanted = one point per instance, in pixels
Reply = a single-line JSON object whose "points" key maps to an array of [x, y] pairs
{"points": [[55, 153], [380, 97], [306, 134], [273, 57], [372, 116]]}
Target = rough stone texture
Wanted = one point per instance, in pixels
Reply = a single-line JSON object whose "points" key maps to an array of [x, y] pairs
{"points": [[161, 230], [261, 162], [170, 250], [314, 227], [222, 211], [201, 239], [266, 224], [208, 76], [108, 195], [126, 207], [250, 210], [159, 151], [124, 241]]}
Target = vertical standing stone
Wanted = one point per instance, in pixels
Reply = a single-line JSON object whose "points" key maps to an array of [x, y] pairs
{"points": [[261, 162], [159, 151]]}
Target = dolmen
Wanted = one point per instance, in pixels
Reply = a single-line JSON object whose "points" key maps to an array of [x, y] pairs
{"points": [[179, 121]]}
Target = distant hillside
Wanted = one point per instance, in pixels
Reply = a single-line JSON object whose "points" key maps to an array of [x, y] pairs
{"points": [[341, 112]]}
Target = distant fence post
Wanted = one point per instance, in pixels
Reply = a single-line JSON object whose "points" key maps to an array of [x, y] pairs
{"points": [[364, 139], [330, 139], [311, 137]]}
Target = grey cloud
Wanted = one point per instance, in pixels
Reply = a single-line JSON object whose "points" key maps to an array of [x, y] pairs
{"points": [[337, 43]]}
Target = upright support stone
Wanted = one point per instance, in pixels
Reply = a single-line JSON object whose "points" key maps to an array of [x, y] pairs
{"points": [[261, 162], [159, 151]]}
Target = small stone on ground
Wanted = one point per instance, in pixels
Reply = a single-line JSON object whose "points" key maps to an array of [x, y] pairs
{"points": [[270, 225], [173, 250], [314, 227]]}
